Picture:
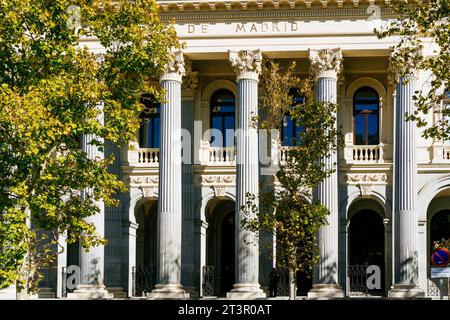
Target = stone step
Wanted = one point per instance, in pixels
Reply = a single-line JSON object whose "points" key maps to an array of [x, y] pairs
{"points": [[118, 292], [46, 293]]}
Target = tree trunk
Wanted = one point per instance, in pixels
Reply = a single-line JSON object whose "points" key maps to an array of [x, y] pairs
{"points": [[292, 284]]}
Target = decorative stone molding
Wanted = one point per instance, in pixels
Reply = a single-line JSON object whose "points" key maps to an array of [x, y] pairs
{"points": [[175, 68], [366, 178], [219, 192], [149, 192], [190, 81], [326, 63], [143, 180], [217, 179], [246, 63], [365, 189]]}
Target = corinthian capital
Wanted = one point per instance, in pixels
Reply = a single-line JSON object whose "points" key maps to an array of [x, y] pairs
{"points": [[175, 67], [190, 80], [326, 63], [246, 64], [406, 68]]}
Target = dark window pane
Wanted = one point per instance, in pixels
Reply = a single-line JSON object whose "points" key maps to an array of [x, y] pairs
{"points": [[288, 131], [360, 132], [155, 133], [229, 131], [373, 129], [222, 117], [366, 116], [217, 137]]}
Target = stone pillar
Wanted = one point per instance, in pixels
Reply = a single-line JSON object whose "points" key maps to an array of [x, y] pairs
{"points": [[406, 266], [92, 261], [170, 190], [326, 65], [188, 87], [247, 65]]}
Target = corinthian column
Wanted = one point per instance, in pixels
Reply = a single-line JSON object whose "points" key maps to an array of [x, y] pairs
{"points": [[92, 262], [326, 65], [406, 267], [247, 65], [169, 202]]}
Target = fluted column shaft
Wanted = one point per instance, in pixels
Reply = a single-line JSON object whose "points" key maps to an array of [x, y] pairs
{"points": [[169, 204], [92, 262], [247, 180], [406, 265], [326, 64], [327, 194], [247, 65]]}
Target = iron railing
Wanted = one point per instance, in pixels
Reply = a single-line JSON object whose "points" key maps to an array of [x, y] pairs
{"points": [[208, 281], [144, 279]]}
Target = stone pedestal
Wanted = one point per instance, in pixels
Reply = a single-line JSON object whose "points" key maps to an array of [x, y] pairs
{"points": [[168, 291], [406, 264], [326, 65], [247, 65], [89, 292], [170, 187]]}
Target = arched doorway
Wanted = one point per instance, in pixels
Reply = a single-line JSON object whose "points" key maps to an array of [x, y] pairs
{"points": [[366, 247], [220, 241], [146, 242]]}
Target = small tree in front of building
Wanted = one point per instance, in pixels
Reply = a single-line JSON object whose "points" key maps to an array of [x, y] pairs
{"points": [[52, 92], [424, 25], [286, 210]]}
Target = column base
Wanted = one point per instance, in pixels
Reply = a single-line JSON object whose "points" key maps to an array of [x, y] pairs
{"points": [[90, 292], [246, 291], [168, 292], [406, 291], [326, 291]]}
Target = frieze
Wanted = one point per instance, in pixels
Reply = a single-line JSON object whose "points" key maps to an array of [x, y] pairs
{"points": [[217, 179], [367, 178], [143, 180]]}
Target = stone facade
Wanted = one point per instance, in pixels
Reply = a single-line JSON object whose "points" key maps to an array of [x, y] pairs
{"points": [[404, 178]]}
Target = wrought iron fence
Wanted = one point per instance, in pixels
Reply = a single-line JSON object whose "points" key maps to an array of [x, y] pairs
{"points": [[283, 283], [144, 279], [358, 278], [208, 281]]}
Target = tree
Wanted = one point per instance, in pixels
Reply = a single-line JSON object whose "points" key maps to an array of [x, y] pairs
{"points": [[52, 91], [424, 24], [285, 210]]}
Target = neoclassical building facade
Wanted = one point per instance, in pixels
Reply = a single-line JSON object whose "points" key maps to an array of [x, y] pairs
{"points": [[177, 234]]}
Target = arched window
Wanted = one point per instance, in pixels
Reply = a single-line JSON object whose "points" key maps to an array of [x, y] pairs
{"points": [[149, 130], [222, 118], [366, 105], [291, 129]]}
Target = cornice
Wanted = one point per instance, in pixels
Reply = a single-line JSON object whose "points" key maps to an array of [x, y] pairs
{"points": [[187, 12], [229, 5]]}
